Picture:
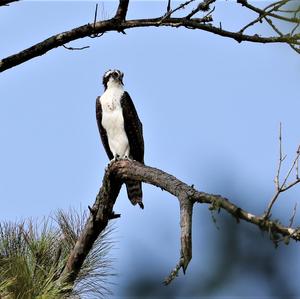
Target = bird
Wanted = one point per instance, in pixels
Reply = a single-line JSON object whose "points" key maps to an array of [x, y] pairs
{"points": [[120, 128]]}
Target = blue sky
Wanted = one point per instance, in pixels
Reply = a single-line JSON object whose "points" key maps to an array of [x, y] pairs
{"points": [[210, 108]]}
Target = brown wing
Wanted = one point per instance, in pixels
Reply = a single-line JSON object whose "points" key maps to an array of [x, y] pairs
{"points": [[102, 131], [133, 128]]}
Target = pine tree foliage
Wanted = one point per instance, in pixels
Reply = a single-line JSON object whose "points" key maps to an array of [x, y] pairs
{"points": [[33, 255]]}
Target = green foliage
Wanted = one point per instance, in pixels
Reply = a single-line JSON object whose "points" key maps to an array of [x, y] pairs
{"points": [[32, 257], [97, 267]]}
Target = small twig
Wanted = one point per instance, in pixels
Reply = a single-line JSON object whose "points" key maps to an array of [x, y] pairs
{"points": [[95, 15], [171, 11], [288, 10], [295, 48], [281, 159], [258, 19], [273, 26], [209, 13], [91, 210], [292, 41], [207, 18], [295, 28], [261, 12], [173, 274], [283, 187], [275, 4], [265, 12], [169, 6], [75, 48], [94, 35], [297, 164], [202, 6], [293, 215], [113, 215]]}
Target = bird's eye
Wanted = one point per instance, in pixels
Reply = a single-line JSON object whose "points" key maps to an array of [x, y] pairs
{"points": [[116, 74]]}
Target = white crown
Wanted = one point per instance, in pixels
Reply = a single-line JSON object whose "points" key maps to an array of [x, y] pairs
{"points": [[107, 73]]}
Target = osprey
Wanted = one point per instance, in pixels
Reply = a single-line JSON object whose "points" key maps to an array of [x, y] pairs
{"points": [[120, 128]]}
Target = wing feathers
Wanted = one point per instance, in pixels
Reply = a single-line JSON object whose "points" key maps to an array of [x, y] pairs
{"points": [[133, 128]]}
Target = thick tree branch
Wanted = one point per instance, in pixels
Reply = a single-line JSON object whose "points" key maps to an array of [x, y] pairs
{"points": [[122, 9], [100, 214], [6, 2], [187, 196], [119, 24]]}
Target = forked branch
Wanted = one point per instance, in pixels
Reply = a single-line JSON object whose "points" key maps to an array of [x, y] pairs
{"points": [[122, 170], [283, 186]]}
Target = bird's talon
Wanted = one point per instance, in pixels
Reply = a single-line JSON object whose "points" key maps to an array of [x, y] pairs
{"points": [[115, 158]]}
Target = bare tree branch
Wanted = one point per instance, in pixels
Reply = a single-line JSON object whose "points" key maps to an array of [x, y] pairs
{"points": [[202, 6], [269, 21], [293, 215], [75, 48], [100, 214], [6, 2], [94, 35], [281, 159], [119, 24], [263, 12], [113, 25], [171, 11], [122, 9], [187, 196], [282, 187]]}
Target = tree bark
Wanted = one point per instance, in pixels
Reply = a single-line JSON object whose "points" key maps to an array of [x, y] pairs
{"points": [[119, 24], [122, 170]]}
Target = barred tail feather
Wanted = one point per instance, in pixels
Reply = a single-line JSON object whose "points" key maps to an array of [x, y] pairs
{"points": [[135, 193]]}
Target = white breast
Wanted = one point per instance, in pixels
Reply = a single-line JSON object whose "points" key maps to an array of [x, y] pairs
{"points": [[113, 121]]}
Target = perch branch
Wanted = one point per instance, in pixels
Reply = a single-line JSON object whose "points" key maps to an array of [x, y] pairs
{"points": [[122, 170]]}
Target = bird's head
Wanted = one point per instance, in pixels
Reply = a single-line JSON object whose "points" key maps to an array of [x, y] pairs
{"points": [[112, 77]]}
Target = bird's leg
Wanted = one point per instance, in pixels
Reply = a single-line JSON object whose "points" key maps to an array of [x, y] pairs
{"points": [[115, 158]]}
